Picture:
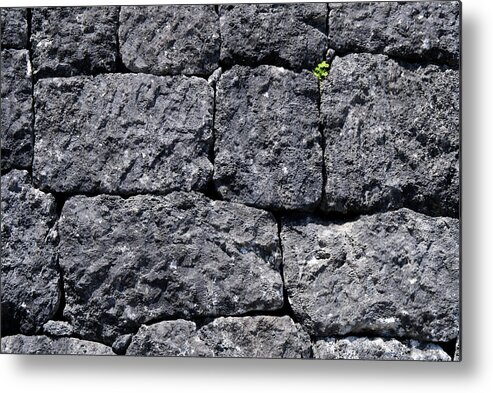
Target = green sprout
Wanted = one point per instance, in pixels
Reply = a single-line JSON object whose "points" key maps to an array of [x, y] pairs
{"points": [[321, 71]]}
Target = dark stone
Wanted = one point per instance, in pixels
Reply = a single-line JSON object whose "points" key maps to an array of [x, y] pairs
{"points": [[423, 31], [377, 349], [170, 39], [268, 147], [30, 281], [287, 35], [392, 136], [14, 27], [123, 133], [43, 345], [69, 41], [132, 261], [17, 114], [252, 337], [121, 344], [392, 274]]}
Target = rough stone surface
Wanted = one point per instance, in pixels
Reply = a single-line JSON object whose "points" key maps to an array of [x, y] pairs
{"points": [[377, 349], [287, 35], [17, 115], [424, 31], [392, 136], [266, 154], [131, 261], [42, 345], [259, 336], [30, 291], [123, 134], [170, 39], [457, 353], [390, 274], [58, 329], [69, 41], [14, 27]]}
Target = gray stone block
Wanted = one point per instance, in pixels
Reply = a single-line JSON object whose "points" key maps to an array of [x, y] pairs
{"points": [[170, 39], [392, 274], [392, 136], [13, 27], [123, 133], [268, 146]]}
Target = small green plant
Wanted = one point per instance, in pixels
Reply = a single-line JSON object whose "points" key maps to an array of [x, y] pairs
{"points": [[321, 71]]}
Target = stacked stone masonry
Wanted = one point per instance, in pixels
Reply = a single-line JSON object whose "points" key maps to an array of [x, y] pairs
{"points": [[176, 181]]}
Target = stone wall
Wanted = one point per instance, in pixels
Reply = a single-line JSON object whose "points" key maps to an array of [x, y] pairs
{"points": [[176, 181]]}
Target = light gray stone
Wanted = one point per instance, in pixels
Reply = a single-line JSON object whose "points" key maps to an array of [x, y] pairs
{"points": [[418, 31], [287, 35], [30, 280], [123, 133], [43, 345], [252, 337], [392, 136], [131, 261], [377, 349], [69, 41], [14, 27], [58, 329], [268, 147], [392, 274], [17, 113], [170, 39]]}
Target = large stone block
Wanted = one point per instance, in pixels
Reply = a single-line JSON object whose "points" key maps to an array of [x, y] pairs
{"points": [[43, 345], [392, 136], [268, 146], [131, 261], [287, 35], [123, 133], [363, 348], [30, 280], [17, 111], [69, 41], [252, 337], [170, 39], [392, 274], [418, 31], [13, 27]]}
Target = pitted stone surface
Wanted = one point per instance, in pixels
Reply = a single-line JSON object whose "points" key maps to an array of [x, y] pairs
{"points": [[14, 27], [123, 133], [258, 336], [424, 31], [390, 274], [377, 349], [43, 345], [130, 261], [170, 39], [392, 136], [69, 41], [268, 147], [287, 35], [30, 281], [17, 114]]}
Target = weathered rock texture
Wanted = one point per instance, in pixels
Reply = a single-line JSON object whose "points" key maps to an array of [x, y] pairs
{"points": [[377, 349], [123, 134], [70, 41], [259, 336], [170, 39], [131, 261], [42, 345], [391, 274], [16, 104], [392, 136], [30, 280], [266, 154], [288, 35], [13, 26], [423, 31]]}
